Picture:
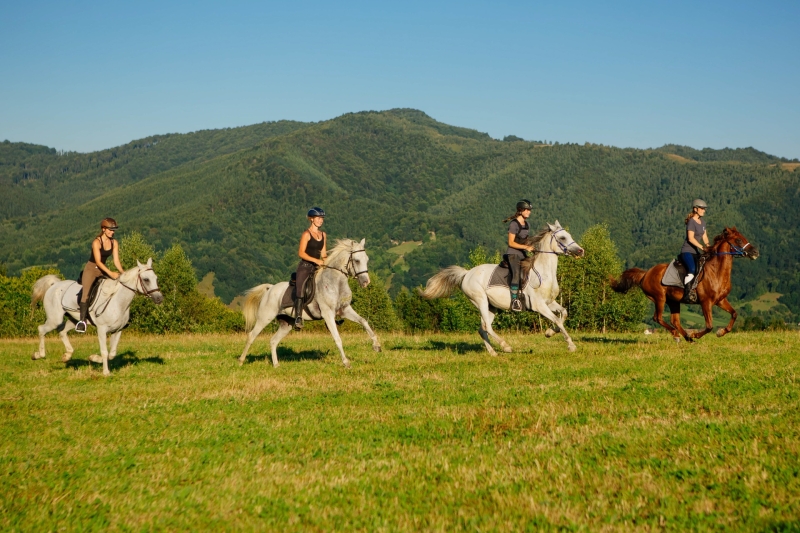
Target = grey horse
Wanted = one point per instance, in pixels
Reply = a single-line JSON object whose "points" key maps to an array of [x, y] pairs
{"points": [[332, 298], [110, 312], [549, 243]]}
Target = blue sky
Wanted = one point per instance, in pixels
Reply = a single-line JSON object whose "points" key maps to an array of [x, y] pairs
{"points": [[90, 75]]}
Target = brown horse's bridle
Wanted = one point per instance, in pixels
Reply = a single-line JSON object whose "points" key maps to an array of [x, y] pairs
{"points": [[140, 283], [737, 250]]}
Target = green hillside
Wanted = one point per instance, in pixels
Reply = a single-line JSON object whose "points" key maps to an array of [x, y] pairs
{"points": [[236, 199]]}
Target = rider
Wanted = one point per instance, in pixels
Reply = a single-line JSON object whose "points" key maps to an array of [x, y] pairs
{"points": [[695, 231], [312, 254], [103, 246], [518, 231]]}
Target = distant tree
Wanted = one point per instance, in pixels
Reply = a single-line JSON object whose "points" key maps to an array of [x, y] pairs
{"points": [[512, 138]]}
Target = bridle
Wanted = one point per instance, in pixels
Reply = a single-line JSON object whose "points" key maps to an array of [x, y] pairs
{"points": [[140, 283], [738, 251], [350, 264], [564, 247]]}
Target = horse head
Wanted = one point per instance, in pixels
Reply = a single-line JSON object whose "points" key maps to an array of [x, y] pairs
{"points": [[739, 244], [359, 261], [146, 282], [561, 242]]}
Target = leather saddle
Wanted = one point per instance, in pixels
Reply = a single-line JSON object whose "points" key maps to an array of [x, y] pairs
{"points": [[290, 294]]}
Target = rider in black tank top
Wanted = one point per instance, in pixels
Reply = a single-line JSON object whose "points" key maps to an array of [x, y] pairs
{"points": [[312, 254]]}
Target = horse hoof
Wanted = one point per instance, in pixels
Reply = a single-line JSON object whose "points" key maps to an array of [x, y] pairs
{"points": [[677, 340], [242, 360], [94, 358], [346, 364], [36, 356], [507, 349], [378, 349], [572, 348], [106, 374], [721, 332], [67, 356], [549, 333]]}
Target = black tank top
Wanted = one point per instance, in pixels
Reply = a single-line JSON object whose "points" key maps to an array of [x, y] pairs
{"points": [[314, 246], [104, 254]]}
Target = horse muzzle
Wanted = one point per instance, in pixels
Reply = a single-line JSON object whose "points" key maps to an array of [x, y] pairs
{"points": [[580, 252], [363, 280], [157, 297]]}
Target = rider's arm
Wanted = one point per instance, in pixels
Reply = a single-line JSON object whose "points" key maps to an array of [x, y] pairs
{"points": [[705, 238], [513, 244], [324, 253], [693, 241], [117, 263], [302, 251], [96, 244]]}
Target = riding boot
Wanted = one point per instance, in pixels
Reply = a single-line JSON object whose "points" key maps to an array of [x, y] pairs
{"points": [[80, 327], [516, 304], [298, 313]]}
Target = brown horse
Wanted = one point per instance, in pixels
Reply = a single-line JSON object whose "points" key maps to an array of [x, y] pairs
{"points": [[712, 288]]}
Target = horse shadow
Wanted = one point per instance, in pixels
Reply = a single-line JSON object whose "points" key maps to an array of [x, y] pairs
{"points": [[440, 346], [605, 340], [287, 354], [122, 360]]}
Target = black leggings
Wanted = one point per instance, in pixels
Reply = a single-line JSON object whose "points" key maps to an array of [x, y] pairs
{"points": [[513, 264], [304, 271]]}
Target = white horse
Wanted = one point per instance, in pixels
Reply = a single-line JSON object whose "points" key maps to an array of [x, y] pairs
{"points": [[332, 298], [542, 299], [110, 312]]}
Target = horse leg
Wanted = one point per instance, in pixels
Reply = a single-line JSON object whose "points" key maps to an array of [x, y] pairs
{"points": [[330, 321], [112, 353], [555, 307], [66, 327], [725, 305], [675, 320], [659, 317], [53, 322], [261, 323], [706, 305], [487, 317], [284, 328], [102, 332], [350, 314], [541, 307]]}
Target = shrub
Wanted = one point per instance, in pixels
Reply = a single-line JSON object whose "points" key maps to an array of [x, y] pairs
{"points": [[15, 303], [374, 305]]}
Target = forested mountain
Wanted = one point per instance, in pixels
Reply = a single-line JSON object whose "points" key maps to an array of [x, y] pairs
{"points": [[236, 199]]}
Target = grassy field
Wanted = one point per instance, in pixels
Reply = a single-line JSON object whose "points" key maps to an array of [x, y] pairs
{"points": [[630, 432]]}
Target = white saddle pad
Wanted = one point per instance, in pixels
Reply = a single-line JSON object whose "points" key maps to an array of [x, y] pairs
{"points": [[104, 293], [672, 277]]}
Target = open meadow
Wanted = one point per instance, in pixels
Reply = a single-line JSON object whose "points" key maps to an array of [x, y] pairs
{"points": [[630, 432]]}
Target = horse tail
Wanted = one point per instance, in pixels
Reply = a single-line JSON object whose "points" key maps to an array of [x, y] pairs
{"points": [[629, 279], [252, 299], [442, 284], [40, 288]]}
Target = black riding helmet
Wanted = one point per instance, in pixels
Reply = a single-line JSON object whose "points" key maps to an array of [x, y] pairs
{"points": [[523, 205], [316, 212]]}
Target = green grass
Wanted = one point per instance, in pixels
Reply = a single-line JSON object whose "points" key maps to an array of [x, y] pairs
{"points": [[629, 432], [404, 248]]}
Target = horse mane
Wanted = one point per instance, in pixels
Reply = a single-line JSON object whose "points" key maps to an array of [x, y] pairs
{"points": [[714, 248], [340, 253], [534, 240]]}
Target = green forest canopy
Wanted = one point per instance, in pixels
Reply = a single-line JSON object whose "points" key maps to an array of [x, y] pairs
{"points": [[235, 199]]}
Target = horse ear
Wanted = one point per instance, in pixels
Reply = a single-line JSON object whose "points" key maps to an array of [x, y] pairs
{"points": [[150, 263], [552, 227], [558, 224], [364, 240], [734, 229], [139, 264]]}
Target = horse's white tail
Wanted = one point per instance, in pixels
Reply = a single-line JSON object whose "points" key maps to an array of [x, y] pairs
{"points": [[251, 302], [40, 287], [443, 283]]}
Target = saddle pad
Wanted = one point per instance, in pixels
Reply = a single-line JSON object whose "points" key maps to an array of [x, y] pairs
{"points": [[71, 297], [288, 295], [98, 297], [672, 276], [501, 274]]}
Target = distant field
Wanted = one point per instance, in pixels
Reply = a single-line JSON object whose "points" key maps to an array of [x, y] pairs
{"points": [[405, 247], [630, 432], [765, 302]]}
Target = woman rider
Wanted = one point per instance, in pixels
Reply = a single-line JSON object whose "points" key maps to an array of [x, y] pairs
{"points": [[518, 231], [312, 254], [103, 246], [695, 231]]}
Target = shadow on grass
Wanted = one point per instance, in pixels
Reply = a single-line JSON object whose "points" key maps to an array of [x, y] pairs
{"points": [[287, 354], [438, 346], [606, 340], [122, 360]]}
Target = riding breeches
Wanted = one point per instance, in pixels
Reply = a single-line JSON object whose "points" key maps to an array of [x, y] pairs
{"points": [[304, 271], [513, 264], [690, 262], [90, 274]]}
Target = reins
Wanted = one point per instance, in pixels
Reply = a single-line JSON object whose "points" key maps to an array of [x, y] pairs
{"points": [[737, 251]]}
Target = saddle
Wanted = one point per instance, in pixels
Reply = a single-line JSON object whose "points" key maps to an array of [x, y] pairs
{"points": [[501, 275], [676, 272], [72, 296], [290, 295]]}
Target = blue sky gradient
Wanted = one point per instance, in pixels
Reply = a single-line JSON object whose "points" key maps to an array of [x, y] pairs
{"points": [[91, 75]]}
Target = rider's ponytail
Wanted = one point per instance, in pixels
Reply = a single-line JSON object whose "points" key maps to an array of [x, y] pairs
{"points": [[512, 217], [688, 217]]}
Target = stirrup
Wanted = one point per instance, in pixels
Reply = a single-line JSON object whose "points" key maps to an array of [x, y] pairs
{"points": [[516, 305], [80, 327]]}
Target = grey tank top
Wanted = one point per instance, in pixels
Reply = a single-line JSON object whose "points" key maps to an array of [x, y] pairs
{"points": [[520, 233]]}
